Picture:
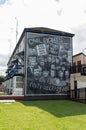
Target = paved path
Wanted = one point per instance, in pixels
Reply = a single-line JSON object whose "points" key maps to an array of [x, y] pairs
{"points": [[7, 101]]}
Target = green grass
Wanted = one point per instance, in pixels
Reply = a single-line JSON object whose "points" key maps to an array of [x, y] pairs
{"points": [[43, 115], [2, 93]]}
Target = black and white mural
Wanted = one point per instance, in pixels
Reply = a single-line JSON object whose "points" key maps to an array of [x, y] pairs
{"points": [[48, 64]]}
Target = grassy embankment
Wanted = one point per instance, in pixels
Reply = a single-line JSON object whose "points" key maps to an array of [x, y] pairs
{"points": [[43, 115]]}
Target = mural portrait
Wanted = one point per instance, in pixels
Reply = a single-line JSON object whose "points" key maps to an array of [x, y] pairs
{"points": [[48, 64]]}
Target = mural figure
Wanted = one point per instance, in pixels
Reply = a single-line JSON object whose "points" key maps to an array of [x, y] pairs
{"points": [[48, 64]]}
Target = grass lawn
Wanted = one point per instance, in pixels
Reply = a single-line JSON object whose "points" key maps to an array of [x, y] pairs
{"points": [[1, 93], [43, 115]]}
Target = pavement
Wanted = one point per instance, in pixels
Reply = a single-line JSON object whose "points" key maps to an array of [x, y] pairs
{"points": [[7, 101]]}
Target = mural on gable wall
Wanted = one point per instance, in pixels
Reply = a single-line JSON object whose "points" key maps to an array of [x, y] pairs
{"points": [[48, 64]]}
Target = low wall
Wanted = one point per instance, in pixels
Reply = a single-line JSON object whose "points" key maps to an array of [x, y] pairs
{"points": [[47, 97]]}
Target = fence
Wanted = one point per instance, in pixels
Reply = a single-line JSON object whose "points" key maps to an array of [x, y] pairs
{"points": [[78, 69], [78, 94]]}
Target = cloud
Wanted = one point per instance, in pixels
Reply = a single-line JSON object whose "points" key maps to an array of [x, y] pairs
{"points": [[57, 14], [3, 60], [57, 0], [3, 64], [79, 43]]}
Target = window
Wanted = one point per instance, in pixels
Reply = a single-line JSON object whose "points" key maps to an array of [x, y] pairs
{"points": [[79, 66], [79, 63], [74, 67]]}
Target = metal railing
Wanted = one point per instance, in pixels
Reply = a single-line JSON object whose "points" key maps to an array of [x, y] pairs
{"points": [[78, 69], [79, 95]]}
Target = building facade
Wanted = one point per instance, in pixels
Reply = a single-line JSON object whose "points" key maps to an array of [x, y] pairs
{"points": [[40, 63], [78, 77]]}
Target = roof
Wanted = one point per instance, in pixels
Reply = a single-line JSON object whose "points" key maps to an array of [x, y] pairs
{"points": [[81, 53], [44, 30], [41, 30]]}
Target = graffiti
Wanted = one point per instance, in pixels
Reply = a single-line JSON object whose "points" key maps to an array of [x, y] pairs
{"points": [[49, 59]]}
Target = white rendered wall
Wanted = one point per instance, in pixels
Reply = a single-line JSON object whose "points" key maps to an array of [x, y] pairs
{"points": [[16, 89]]}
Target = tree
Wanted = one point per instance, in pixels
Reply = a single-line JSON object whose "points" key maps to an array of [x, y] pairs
{"points": [[1, 79]]}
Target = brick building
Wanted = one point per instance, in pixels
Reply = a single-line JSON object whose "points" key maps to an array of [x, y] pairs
{"points": [[78, 77]]}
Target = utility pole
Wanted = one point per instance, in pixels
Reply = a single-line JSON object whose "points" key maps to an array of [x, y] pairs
{"points": [[9, 47], [16, 29]]}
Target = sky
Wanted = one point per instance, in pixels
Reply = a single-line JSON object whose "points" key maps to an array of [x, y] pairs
{"points": [[63, 15]]}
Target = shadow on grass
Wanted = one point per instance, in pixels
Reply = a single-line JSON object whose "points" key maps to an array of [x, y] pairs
{"points": [[59, 108]]}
